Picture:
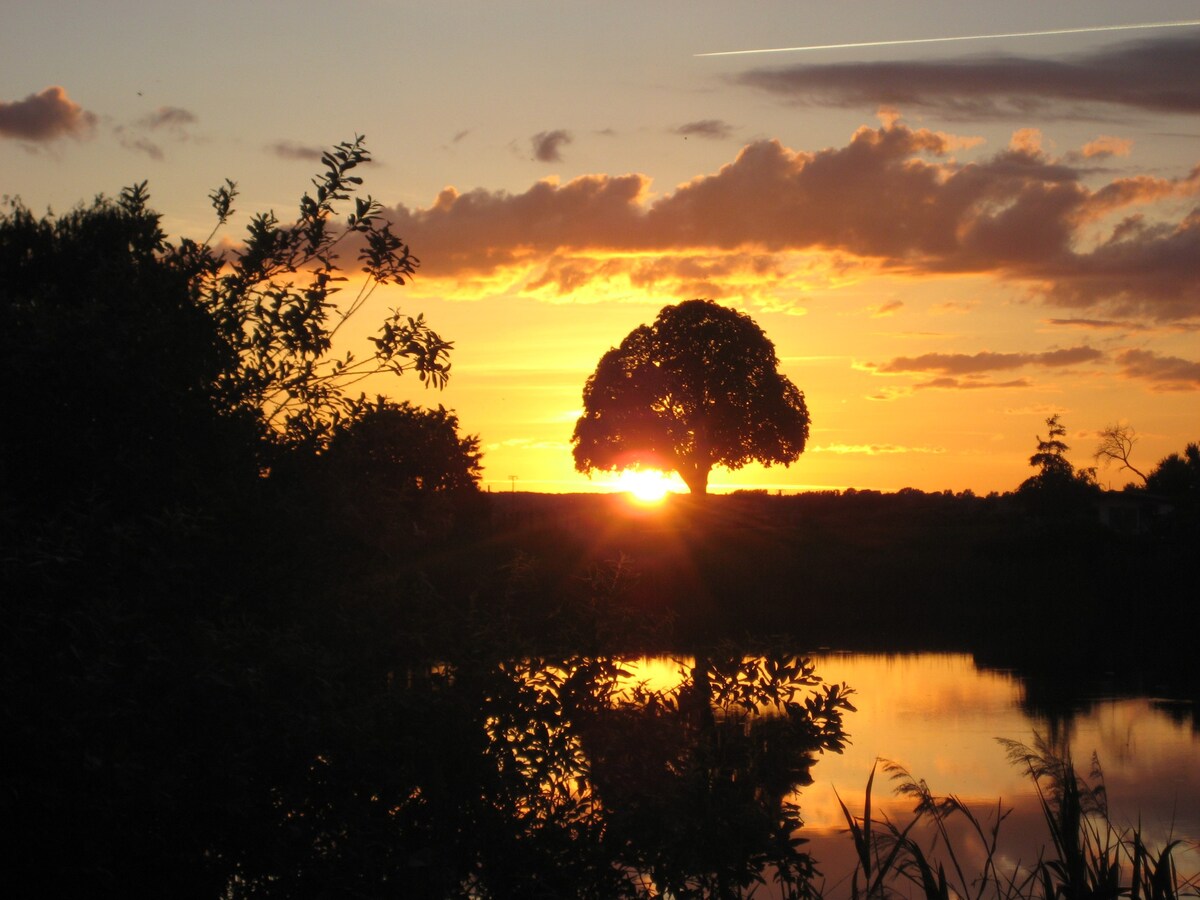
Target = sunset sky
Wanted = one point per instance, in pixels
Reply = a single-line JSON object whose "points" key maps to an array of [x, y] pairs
{"points": [[946, 241]]}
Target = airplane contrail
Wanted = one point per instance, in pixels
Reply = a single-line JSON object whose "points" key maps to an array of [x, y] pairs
{"points": [[966, 37]]}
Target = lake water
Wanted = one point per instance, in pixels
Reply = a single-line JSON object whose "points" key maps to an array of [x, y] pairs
{"points": [[939, 716]]}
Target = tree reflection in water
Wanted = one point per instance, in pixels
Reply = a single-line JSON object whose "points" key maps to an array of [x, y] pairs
{"points": [[554, 777]]}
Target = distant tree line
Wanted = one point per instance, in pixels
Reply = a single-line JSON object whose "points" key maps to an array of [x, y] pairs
{"points": [[1061, 489]]}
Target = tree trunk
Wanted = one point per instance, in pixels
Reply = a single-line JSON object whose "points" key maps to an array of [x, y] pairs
{"points": [[696, 478]]}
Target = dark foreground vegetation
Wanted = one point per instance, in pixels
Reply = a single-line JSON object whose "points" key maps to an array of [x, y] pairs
{"points": [[262, 637], [1087, 854]]}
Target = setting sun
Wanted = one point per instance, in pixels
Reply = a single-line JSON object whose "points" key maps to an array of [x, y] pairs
{"points": [[644, 485]]}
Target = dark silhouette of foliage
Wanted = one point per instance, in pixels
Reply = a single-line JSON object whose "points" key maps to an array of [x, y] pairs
{"points": [[280, 333], [694, 784], [402, 449], [116, 362], [1058, 489], [181, 644], [699, 388], [394, 471], [1051, 453], [149, 369], [1178, 476], [553, 776], [1089, 854]]}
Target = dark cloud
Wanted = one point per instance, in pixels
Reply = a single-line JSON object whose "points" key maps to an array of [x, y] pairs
{"points": [[295, 150], [172, 117], [144, 135], [1165, 373], [959, 384], [547, 145], [1161, 75], [1143, 267], [970, 364], [892, 198], [1098, 324], [45, 116], [713, 129], [143, 145]]}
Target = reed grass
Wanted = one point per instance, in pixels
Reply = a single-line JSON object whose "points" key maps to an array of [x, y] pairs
{"points": [[1088, 857]]}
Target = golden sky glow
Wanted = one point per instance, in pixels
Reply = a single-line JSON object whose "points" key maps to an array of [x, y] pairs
{"points": [[947, 242]]}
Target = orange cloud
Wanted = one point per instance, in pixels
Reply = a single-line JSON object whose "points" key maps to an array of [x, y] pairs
{"points": [[1105, 146], [1027, 140], [45, 116], [1140, 189], [892, 198]]}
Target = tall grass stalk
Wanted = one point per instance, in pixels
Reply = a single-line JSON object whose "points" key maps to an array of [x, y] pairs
{"points": [[1088, 857]]}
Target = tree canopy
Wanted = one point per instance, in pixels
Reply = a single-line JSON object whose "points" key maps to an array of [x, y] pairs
{"points": [[1178, 476], [699, 388]]}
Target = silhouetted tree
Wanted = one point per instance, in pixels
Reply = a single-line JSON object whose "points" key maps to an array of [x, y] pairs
{"points": [[1051, 453], [699, 388], [116, 361], [1058, 488], [1116, 445], [394, 470], [1178, 476], [279, 334]]}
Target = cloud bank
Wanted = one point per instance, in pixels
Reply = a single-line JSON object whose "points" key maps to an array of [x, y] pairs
{"points": [[1164, 373], [1160, 75], [894, 198]]}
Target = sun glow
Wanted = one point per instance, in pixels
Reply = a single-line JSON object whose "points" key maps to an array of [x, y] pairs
{"points": [[644, 485]]}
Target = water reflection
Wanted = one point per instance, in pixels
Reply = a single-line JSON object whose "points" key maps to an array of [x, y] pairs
{"points": [[606, 776], [940, 716], [576, 776]]}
